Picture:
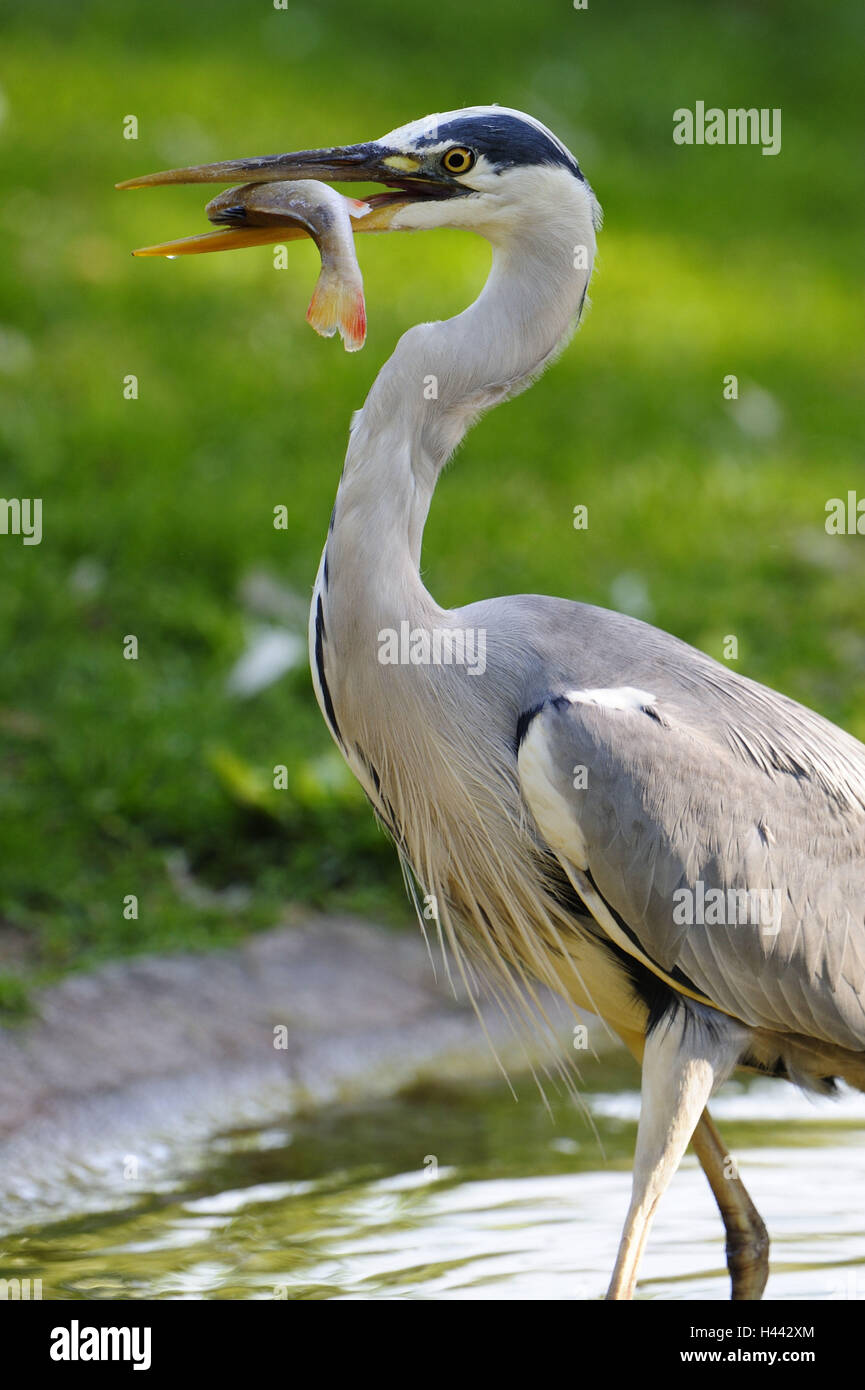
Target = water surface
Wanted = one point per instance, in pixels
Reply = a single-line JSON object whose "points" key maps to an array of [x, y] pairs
{"points": [[461, 1193]]}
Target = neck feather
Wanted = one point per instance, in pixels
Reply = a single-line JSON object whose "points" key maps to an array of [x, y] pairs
{"points": [[440, 379]]}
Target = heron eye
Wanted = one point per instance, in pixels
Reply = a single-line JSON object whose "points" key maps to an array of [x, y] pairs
{"points": [[458, 160]]}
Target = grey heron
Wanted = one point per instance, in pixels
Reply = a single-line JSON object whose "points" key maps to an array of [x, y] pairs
{"points": [[595, 805]]}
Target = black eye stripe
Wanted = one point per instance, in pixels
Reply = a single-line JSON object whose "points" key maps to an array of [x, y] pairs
{"points": [[504, 140]]}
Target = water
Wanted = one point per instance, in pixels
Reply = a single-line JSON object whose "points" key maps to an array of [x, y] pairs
{"points": [[459, 1193]]}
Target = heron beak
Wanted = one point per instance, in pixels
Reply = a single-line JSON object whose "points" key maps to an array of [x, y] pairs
{"points": [[367, 163]]}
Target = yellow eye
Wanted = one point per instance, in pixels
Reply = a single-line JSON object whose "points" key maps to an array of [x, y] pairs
{"points": [[458, 160]]}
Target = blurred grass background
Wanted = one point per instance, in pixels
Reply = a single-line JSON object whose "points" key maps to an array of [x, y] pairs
{"points": [[706, 516]]}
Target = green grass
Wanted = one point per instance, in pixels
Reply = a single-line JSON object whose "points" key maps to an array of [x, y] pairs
{"points": [[713, 261]]}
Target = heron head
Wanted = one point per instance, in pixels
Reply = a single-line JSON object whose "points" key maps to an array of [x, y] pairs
{"points": [[485, 168], [488, 169]]}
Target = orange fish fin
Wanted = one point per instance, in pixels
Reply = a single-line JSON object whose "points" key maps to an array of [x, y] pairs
{"points": [[337, 306]]}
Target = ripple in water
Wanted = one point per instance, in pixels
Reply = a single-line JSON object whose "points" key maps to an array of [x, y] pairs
{"points": [[459, 1193]]}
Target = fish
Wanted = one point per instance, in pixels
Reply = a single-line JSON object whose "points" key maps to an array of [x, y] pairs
{"points": [[255, 214]]}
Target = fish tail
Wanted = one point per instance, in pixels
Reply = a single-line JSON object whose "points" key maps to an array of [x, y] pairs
{"points": [[338, 304]]}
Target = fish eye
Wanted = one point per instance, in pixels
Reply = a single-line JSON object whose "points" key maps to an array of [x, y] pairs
{"points": [[458, 160]]}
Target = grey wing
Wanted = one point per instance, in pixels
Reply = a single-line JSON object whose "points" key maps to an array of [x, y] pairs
{"points": [[717, 831]]}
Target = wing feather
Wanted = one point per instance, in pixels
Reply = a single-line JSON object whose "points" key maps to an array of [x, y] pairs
{"points": [[725, 827]]}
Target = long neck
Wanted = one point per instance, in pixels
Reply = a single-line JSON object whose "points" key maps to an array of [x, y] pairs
{"points": [[441, 377]]}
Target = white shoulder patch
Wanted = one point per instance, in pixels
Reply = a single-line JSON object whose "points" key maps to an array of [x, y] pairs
{"points": [[554, 815], [623, 697]]}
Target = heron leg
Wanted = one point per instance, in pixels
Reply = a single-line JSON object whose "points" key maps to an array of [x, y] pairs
{"points": [[683, 1060], [747, 1237]]}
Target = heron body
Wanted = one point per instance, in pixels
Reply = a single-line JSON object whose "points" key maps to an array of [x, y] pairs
{"points": [[596, 807]]}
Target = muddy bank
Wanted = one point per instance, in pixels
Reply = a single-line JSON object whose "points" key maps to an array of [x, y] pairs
{"points": [[127, 1071]]}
